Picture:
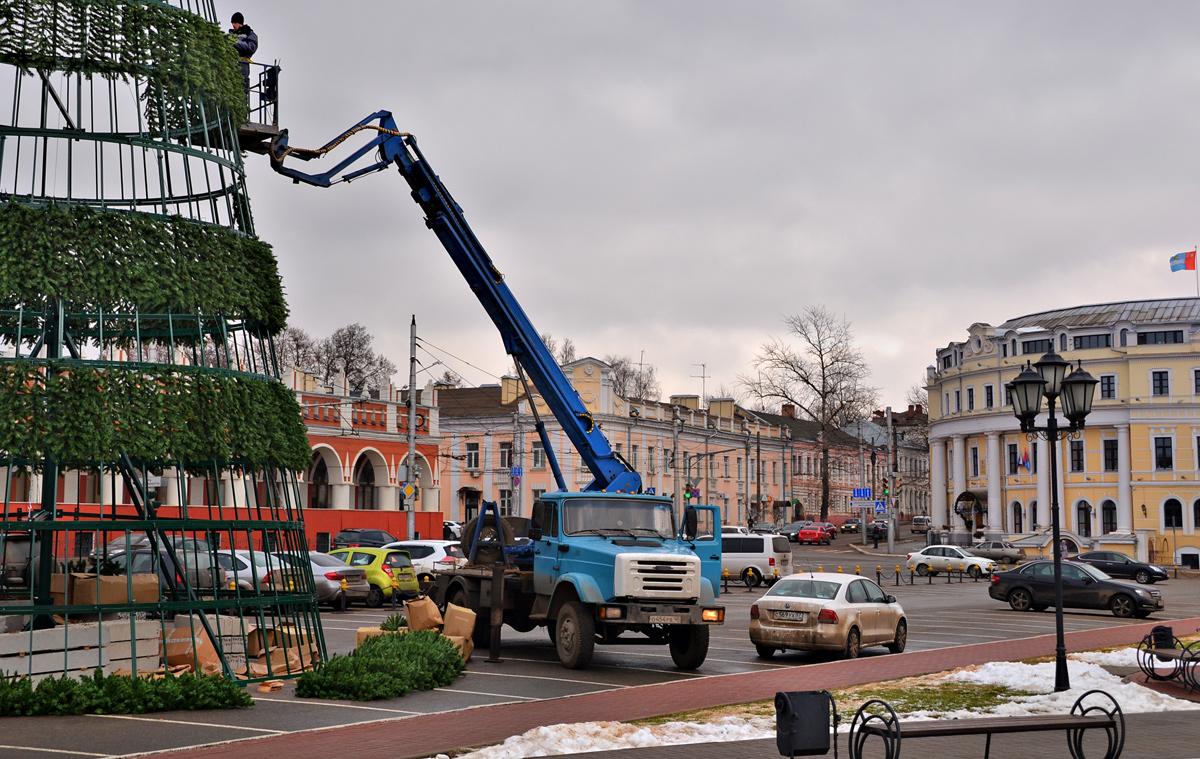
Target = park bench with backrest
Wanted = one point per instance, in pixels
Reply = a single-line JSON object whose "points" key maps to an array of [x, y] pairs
{"points": [[1160, 648]]}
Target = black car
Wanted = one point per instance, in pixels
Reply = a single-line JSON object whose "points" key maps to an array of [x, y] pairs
{"points": [[361, 538], [1031, 587], [853, 524], [1119, 565], [764, 528], [792, 531]]}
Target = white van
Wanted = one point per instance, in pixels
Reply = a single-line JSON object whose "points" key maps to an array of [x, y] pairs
{"points": [[754, 558], [920, 524]]}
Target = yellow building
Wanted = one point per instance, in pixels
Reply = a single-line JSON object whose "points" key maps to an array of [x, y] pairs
{"points": [[1128, 482]]}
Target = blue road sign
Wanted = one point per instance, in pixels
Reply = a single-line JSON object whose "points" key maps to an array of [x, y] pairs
{"points": [[862, 494], [881, 507], [518, 471], [649, 491]]}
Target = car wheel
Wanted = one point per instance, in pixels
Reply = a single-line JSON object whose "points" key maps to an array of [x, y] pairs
{"points": [[853, 644], [901, 640], [1039, 607], [974, 572], [1142, 577], [765, 652], [375, 598], [1020, 600], [752, 577], [575, 636], [689, 645], [1008, 560], [923, 570], [1141, 614], [1122, 606]]}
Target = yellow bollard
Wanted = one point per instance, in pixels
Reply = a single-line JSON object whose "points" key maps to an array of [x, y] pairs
{"points": [[857, 569], [776, 573], [343, 585], [839, 568], [233, 585], [819, 568], [291, 586], [960, 567], [879, 569]]}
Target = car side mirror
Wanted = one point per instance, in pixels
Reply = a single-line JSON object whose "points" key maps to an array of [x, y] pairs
{"points": [[535, 520], [690, 521], [891, 599]]}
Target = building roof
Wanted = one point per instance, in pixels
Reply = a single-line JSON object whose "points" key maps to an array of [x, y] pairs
{"points": [[471, 402], [1108, 314], [805, 429]]}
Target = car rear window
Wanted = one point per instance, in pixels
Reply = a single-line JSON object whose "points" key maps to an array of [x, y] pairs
{"points": [[781, 545], [823, 590], [360, 559], [455, 551], [325, 560], [397, 560]]}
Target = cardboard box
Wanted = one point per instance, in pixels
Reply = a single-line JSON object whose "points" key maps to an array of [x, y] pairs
{"points": [[87, 589], [465, 646], [259, 639], [422, 614], [290, 636], [458, 622], [282, 660], [179, 648], [58, 589], [364, 633]]}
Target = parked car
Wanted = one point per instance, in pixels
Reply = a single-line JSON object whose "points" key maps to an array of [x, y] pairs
{"points": [[327, 575], [734, 529], [813, 533], [141, 540], [921, 524], [356, 537], [244, 567], [451, 530], [1119, 565], [753, 558], [201, 573], [933, 559], [790, 531], [998, 550], [1031, 587], [382, 565], [826, 611], [764, 528], [853, 524], [830, 528], [431, 556]]}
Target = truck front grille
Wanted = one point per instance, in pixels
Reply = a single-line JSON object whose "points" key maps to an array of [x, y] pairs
{"points": [[657, 576]]}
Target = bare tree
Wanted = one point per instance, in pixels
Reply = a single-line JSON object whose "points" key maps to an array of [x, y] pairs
{"points": [[917, 395], [295, 349], [450, 378], [564, 353], [725, 391], [632, 380], [349, 349], [823, 378]]}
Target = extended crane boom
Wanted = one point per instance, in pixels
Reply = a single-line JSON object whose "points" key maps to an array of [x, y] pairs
{"points": [[445, 217]]}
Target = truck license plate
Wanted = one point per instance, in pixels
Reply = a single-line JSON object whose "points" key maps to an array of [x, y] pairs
{"points": [[665, 619], [791, 616]]}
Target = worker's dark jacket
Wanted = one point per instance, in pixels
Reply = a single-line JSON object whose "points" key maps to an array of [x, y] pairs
{"points": [[246, 44]]}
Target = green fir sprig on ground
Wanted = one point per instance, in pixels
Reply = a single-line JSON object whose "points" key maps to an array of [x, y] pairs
{"points": [[386, 666], [118, 694]]}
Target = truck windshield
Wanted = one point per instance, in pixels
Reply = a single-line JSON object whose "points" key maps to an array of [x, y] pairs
{"points": [[617, 516]]}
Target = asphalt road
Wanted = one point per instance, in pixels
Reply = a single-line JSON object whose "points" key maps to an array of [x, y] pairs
{"points": [[940, 615]]}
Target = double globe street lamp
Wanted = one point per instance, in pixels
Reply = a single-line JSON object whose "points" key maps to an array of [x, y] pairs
{"points": [[1048, 377]]}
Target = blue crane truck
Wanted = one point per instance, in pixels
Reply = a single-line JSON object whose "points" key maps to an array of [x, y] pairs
{"points": [[607, 564]]}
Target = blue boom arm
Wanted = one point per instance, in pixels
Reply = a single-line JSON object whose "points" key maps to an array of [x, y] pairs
{"points": [[444, 216]]}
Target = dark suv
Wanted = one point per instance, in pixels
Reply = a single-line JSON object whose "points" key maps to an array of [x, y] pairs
{"points": [[361, 538]]}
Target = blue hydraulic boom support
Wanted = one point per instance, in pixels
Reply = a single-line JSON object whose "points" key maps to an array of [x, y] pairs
{"points": [[445, 217]]}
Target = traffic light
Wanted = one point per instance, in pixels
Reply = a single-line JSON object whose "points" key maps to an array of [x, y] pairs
{"points": [[886, 491]]}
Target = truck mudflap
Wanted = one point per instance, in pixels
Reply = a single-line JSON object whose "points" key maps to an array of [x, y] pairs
{"points": [[638, 613]]}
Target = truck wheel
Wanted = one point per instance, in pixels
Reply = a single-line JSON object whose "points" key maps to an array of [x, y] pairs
{"points": [[575, 635], [493, 536], [689, 645]]}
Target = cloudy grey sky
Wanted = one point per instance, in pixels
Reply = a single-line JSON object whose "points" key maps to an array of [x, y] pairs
{"points": [[674, 177]]}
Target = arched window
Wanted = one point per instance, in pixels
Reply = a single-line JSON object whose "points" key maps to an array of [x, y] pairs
{"points": [[318, 484], [1017, 521], [1014, 348], [1083, 519], [1173, 514], [1108, 517], [1062, 343], [364, 485], [1124, 337], [1196, 514], [1034, 523]]}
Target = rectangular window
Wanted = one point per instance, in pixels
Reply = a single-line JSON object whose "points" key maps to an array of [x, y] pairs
{"points": [[726, 467], [958, 401], [1007, 395], [539, 456], [752, 469], [774, 472], [1110, 455], [974, 461], [1163, 455], [1168, 337], [538, 493], [1004, 350], [988, 396], [1196, 381], [1160, 383], [1076, 455], [617, 449], [1083, 342], [687, 464], [970, 399], [505, 503], [633, 457], [650, 451], [947, 362], [739, 467], [1037, 346], [506, 457], [1108, 387], [472, 461]]}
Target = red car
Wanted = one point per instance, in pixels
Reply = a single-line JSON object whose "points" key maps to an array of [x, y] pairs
{"points": [[813, 533], [830, 528]]}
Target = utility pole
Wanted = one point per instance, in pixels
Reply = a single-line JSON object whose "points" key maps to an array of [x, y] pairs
{"points": [[676, 423], [702, 376], [411, 471], [894, 497], [758, 470], [518, 460]]}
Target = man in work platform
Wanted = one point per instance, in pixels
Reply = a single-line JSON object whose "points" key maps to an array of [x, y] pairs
{"points": [[245, 43]]}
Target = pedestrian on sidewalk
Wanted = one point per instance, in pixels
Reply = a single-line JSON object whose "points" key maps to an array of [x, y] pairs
{"points": [[876, 534]]}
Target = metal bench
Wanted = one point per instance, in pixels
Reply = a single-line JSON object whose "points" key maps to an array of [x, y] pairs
{"points": [[876, 718], [1162, 647]]}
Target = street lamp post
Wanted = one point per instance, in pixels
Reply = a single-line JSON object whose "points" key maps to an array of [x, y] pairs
{"points": [[1076, 391]]}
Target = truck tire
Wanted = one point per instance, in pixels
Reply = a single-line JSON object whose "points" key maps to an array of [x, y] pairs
{"points": [[575, 635], [689, 645], [493, 553]]}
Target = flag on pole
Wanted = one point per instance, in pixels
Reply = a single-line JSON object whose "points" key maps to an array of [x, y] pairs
{"points": [[1025, 460], [1185, 261]]}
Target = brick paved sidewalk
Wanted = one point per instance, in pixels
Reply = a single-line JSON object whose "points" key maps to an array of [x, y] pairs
{"points": [[426, 735]]}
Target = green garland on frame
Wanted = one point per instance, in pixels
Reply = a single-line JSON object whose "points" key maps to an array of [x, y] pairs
{"points": [[127, 262], [182, 56], [83, 415]]}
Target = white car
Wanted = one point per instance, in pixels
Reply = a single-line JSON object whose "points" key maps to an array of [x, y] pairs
{"points": [[933, 559], [431, 556]]}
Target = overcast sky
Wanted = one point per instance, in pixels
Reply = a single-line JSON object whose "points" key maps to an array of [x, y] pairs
{"points": [[673, 177]]}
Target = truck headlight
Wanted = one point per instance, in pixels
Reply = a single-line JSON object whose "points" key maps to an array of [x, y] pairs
{"points": [[612, 612], [713, 615]]}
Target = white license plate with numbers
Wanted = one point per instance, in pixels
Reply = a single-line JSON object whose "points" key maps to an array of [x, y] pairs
{"points": [[791, 616], [665, 619]]}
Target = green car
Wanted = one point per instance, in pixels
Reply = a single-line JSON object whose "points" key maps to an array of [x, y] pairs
{"points": [[382, 565]]}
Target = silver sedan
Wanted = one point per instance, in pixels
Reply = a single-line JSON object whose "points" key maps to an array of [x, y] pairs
{"points": [[826, 611]]}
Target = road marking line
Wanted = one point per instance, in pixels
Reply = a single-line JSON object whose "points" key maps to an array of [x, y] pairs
{"points": [[339, 706], [495, 695], [542, 677], [183, 722], [57, 751]]}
